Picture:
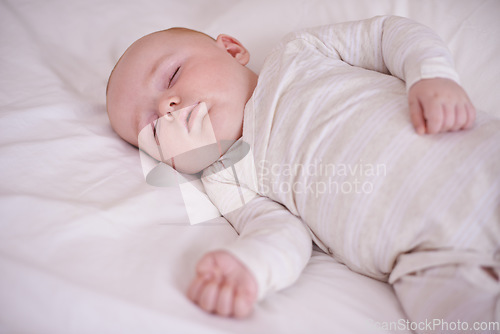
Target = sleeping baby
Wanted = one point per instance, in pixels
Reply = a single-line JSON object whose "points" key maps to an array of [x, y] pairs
{"points": [[355, 136]]}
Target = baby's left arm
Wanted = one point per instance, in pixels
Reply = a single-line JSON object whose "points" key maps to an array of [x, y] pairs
{"points": [[440, 105], [409, 51]]}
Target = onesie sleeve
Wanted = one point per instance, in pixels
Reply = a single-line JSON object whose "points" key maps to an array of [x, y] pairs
{"points": [[387, 44], [273, 244]]}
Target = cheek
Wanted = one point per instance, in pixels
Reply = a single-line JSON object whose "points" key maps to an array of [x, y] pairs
{"points": [[218, 77], [208, 133], [227, 123]]}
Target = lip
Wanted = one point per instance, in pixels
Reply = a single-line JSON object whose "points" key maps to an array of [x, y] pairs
{"points": [[189, 115]]}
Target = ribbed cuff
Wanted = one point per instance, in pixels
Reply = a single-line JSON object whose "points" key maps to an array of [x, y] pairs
{"points": [[436, 67]]}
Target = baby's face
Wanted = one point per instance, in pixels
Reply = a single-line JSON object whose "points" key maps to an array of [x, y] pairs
{"points": [[177, 91]]}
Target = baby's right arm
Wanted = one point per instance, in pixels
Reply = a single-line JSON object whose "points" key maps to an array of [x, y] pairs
{"points": [[271, 251], [223, 285]]}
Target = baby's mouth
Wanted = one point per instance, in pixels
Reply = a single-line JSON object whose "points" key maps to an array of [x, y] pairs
{"points": [[190, 115], [185, 115]]}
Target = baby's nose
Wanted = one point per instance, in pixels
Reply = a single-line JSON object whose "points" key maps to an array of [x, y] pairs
{"points": [[168, 105]]}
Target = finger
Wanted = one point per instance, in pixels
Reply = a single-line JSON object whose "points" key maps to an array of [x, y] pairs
{"points": [[417, 117], [433, 114], [225, 302], [196, 287], [471, 116], [205, 265], [242, 306], [209, 295], [460, 117], [448, 117]]}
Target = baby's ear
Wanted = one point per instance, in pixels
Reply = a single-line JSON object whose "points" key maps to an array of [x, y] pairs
{"points": [[234, 48]]}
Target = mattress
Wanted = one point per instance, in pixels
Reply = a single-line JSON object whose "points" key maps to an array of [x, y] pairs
{"points": [[87, 245]]}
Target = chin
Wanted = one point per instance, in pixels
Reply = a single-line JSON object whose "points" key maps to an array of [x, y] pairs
{"points": [[196, 160]]}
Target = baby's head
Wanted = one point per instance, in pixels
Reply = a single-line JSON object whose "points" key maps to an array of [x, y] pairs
{"points": [[176, 91]]}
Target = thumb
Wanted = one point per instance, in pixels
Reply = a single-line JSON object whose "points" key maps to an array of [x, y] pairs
{"points": [[417, 116]]}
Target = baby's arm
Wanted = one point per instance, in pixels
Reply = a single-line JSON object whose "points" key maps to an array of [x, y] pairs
{"points": [[410, 51], [270, 253], [440, 105], [223, 285]]}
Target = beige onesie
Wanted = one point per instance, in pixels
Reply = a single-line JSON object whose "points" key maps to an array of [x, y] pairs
{"points": [[333, 158]]}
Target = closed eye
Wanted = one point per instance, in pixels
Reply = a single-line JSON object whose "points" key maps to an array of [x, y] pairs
{"points": [[173, 76]]}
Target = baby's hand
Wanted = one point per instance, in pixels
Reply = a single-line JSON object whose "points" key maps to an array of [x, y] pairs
{"points": [[223, 285], [440, 105]]}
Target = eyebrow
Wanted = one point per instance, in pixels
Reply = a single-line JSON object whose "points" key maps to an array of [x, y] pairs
{"points": [[157, 64], [155, 67]]}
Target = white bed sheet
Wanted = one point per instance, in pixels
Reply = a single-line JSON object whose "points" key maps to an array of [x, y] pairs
{"points": [[86, 246]]}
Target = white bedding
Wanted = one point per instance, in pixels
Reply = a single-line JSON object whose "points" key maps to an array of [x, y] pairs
{"points": [[86, 245]]}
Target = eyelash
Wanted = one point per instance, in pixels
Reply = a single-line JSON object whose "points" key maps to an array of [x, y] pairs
{"points": [[173, 76]]}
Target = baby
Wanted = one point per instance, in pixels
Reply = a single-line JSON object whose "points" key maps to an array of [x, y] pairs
{"points": [[360, 139]]}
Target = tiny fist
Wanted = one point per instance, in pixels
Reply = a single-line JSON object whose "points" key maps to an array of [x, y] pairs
{"points": [[229, 290]]}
